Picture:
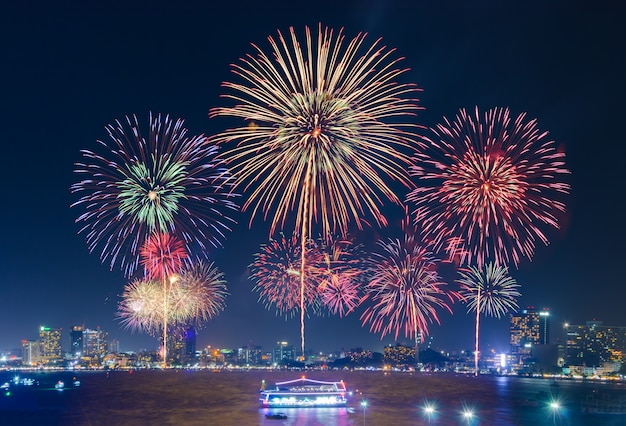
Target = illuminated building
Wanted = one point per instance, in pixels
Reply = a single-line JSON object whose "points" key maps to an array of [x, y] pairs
{"points": [[251, 355], [529, 327], [95, 343], [114, 346], [76, 340], [359, 355], [30, 352], [50, 345], [595, 344], [176, 354], [283, 352], [399, 355]]}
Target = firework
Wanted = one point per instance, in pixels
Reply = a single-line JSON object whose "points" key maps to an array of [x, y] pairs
{"points": [[199, 294], [141, 308], [195, 296], [166, 182], [162, 255], [276, 271], [490, 291], [490, 183], [327, 122], [494, 286], [404, 290], [341, 276]]}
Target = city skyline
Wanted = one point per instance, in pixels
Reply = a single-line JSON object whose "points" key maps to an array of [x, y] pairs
{"points": [[71, 71]]}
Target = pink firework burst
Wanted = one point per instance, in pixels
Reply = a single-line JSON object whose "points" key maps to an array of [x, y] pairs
{"points": [[490, 182], [342, 273], [404, 290]]}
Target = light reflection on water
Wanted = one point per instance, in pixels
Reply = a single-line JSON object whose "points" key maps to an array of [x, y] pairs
{"points": [[231, 398], [318, 416]]}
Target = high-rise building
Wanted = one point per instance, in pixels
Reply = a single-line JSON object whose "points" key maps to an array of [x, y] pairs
{"points": [[114, 346], [595, 344], [30, 352], [283, 351], [76, 340], [252, 355], [190, 343], [529, 327], [95, 343], [50, 345]]}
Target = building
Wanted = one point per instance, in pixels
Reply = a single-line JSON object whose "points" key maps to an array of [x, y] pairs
{"points": [[114, 346], [250, 355], [95, 343], [594, 344], [529, 328], [282, 352], [399, 355], [190, 343], [76, 340], [30, 352], [50, 345]]}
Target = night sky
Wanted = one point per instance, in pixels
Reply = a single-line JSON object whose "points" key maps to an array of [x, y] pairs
{"points": [[66, 72]]}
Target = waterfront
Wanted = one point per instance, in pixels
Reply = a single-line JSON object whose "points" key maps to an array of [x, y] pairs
{"points": [[181, 397]]}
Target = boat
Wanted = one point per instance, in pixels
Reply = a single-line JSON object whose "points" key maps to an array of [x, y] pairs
{"points": [[277, 416], [304, 392]]}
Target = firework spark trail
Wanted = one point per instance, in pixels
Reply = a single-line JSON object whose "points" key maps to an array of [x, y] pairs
{"points": [[489, 290], [404, 290], [490, 183], [166, 182], [328, 117]]}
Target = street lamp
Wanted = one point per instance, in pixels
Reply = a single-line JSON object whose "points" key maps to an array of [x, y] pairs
{"points": [[364, 405], [468, 414], [429, 410], [555, 406]]}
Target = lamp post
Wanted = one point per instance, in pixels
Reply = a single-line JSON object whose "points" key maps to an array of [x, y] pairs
{"points": [[364, 405], [555, 407]]}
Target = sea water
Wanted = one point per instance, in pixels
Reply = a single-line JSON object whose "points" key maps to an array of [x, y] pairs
{"points": [[221, 397]]}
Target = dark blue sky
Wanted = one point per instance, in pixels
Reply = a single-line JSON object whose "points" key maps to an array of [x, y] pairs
{"points": [[66, 72]]}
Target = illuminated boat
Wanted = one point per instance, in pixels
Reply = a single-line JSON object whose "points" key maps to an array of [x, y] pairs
{"points": [[304, 393]]}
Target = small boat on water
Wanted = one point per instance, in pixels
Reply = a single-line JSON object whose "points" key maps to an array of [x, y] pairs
{"points": [[304, 392], [277, 416]]}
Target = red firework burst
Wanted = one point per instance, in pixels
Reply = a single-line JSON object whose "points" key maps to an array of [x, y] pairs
{"points": [[162, 255], [491, 183], [276, 271]]}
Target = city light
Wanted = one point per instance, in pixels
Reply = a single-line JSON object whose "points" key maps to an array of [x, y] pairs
{"points": [[429, 410], [364, 405], [468, 414], [555, 409]]}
